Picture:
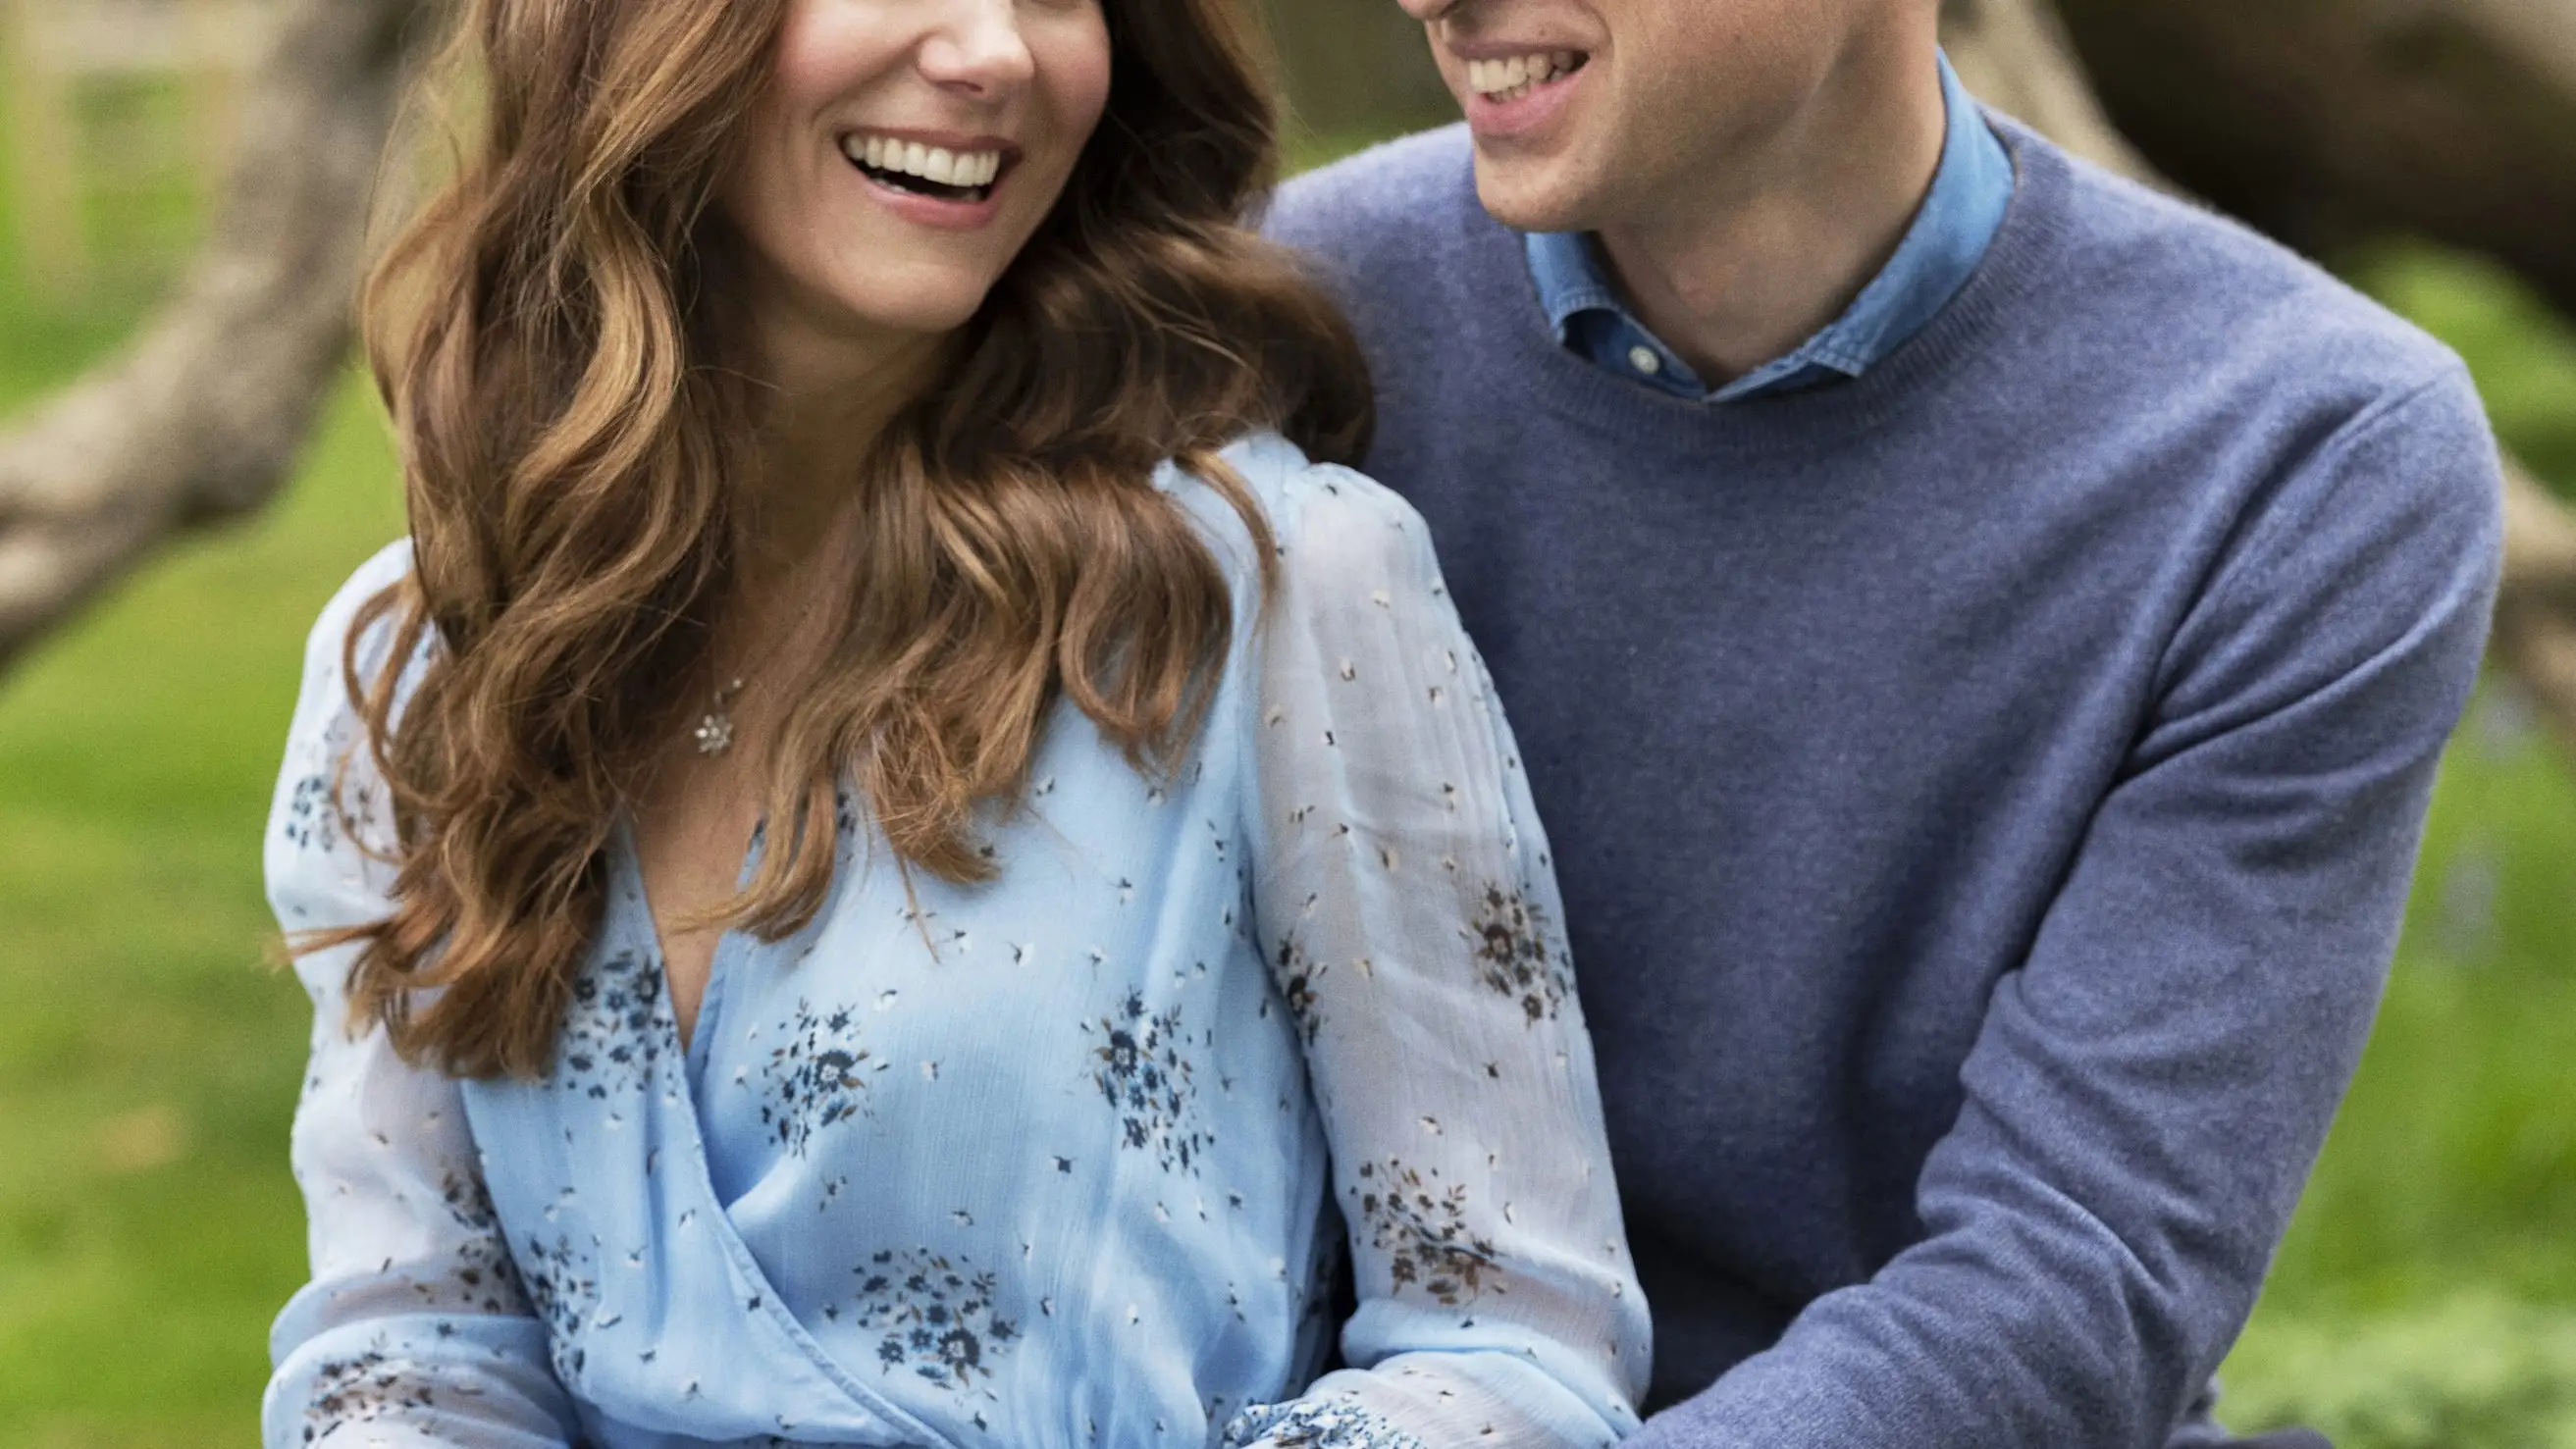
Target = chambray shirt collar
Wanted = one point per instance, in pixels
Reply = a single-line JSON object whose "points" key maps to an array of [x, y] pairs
{"points": [[1950, 235]]}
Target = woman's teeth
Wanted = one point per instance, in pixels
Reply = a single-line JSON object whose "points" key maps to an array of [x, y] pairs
{"points": [[909, 163], [1509, 80]]}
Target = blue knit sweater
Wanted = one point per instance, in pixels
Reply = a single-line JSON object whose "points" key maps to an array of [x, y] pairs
{"points": [[1984, 791]]}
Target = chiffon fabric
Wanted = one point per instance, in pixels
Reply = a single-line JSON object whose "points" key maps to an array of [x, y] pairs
{"points": [[1063, 1161]]}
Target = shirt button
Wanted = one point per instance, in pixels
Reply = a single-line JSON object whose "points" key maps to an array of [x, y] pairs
{"points": [[1643, 359]]}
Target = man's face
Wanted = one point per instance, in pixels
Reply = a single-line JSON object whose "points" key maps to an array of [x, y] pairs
{"points": [[1591, 114]]}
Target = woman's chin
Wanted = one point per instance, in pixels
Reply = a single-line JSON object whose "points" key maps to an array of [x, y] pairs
{"points": [[924, 316], [928, 301]]}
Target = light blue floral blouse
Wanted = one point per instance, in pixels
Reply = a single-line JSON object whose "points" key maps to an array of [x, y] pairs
{"points": [[1049, 1163]]}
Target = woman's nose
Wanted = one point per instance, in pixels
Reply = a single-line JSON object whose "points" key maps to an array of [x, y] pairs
{"points": [[979, 50]]}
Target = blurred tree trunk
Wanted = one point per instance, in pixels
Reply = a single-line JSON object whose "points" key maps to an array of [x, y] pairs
{"points": [[2323, 121], [1357, 67], [2536, 618], [204, 414], [2267, 99], [2015, 56]]}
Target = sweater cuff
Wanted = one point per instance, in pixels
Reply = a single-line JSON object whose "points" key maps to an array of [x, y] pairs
{"points": [[1314, 1424]]}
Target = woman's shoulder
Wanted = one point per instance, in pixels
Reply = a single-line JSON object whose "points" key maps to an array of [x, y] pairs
{"points": [[326, 647], [330, 831], [1329, 524], [325, 716], [382, 569]]}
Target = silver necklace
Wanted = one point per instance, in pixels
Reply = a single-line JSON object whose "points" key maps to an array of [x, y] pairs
{"points": [[714, 733]]}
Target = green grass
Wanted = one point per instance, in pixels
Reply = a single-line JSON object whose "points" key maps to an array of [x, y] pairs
{"points": [[2524, 358], [2426, 1296], [148, 1061]]}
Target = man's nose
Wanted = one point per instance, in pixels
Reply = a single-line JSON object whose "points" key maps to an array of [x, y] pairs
{"points": [[1427, 11]]}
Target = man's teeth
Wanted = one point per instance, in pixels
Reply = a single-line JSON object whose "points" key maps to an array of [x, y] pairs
{"points": [[967, 169], [1509, 80]]}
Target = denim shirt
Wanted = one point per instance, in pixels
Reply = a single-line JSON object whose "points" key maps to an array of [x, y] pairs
{"points": [[1949, 237]]}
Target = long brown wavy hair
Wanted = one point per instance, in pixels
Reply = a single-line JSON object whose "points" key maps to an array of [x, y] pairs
{"points": [[574, 425]]}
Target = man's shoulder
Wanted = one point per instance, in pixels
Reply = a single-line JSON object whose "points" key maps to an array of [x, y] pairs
{"points": [[2204, 296], [1391, 197], [2186, 321]]}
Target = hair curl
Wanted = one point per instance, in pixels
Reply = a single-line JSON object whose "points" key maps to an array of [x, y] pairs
{"points": [[571, 411]]}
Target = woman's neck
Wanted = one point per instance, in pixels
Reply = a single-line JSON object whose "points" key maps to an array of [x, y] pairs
{"points": [[830, 399]]}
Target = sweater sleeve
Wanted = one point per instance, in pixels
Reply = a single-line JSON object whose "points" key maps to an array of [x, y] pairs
{"points": [[414, 1331], [2150, 1089], [1405, 898]]}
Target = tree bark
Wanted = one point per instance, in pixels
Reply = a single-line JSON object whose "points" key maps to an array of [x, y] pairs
{"points": [[2014, 53], [2321, 121], [203, 416], [2016, 57], [1357, 69], [2535, 636]]}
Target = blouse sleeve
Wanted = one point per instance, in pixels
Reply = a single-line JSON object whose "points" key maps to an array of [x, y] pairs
{"points": [[414, 1330], [1409, 909]]}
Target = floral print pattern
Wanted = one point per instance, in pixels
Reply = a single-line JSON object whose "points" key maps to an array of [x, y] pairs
{"points": [[313, 815], [1300, 979], [819, 1076], [934, 1317], [361, 1390], [1519, 955], [1313, 1425], [563, 1290], [1147, 1080], [1425, 1230], [612, 1034], [480, 1277]]}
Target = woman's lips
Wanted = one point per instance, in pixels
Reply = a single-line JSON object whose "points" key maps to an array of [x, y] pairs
{"points": [[933, 211], [947, 187]]}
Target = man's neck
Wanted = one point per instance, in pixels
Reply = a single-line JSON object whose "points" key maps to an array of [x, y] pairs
{"points": [[1742, 271]]}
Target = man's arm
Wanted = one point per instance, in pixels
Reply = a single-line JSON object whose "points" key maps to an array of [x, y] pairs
{"points": [[2150, 1090]]}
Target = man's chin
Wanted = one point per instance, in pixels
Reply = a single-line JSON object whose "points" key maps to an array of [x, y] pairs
{"points": [[1534, 197]]}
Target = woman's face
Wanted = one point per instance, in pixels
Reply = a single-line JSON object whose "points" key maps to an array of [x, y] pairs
{"points": [[904, 152]]}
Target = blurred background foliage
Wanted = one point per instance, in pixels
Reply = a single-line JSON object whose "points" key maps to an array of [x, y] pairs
{"points": [[149, 1058]]}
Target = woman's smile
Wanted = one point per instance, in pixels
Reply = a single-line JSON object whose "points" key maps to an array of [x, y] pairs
{"points": [[961, 123], [937, 179]]}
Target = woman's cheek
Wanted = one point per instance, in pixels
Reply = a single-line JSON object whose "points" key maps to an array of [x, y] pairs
{"points": [[1074, 71]]}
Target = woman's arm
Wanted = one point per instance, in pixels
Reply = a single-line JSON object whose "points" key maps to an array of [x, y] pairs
{"points": [[414, 1331], [1409, 910]]}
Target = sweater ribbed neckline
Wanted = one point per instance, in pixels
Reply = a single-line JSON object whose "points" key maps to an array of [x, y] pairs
{"points": [[1569, 387]]}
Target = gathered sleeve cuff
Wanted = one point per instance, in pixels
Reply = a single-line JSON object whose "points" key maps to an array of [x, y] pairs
{"points": [[1317, 1424]]}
